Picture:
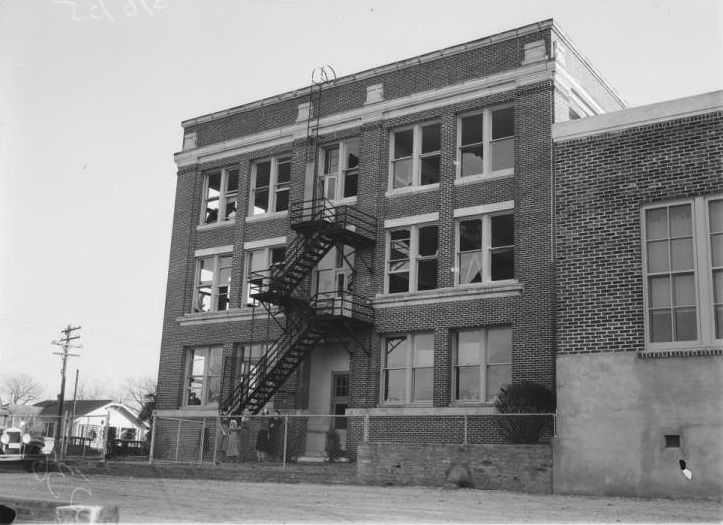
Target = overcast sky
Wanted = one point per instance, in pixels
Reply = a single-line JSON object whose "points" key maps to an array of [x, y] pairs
{"points": [[92, 93]]}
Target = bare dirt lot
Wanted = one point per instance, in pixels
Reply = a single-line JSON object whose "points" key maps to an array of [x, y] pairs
{"points": [[208, 501]]}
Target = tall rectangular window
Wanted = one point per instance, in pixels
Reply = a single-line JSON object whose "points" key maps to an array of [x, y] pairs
{"points": [[408, 369], [486, 142], [683, 255], [203, 376], [482, 363], [258, 270], [415, 156], [220, 194], [485, 249], [246, 358], [412, 259], [340, 170], [270, 183], [213, 283]]}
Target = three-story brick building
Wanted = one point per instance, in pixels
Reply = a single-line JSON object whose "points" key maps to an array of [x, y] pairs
{"points": [[379, 243]]}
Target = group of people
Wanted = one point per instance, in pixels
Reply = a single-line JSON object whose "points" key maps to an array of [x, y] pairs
{"points": [[269, 438]]}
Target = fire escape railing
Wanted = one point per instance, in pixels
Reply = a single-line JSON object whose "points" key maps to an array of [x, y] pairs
{"points": [[320, 225]]}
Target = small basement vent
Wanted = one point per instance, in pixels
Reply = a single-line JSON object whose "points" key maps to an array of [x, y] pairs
{"points": [[672, 441]]}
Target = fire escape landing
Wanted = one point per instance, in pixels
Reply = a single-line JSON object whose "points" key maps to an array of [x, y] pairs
{"points": [[308, 319]]}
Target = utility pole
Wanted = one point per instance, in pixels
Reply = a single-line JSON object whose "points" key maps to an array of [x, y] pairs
{"points": [[65, 344]]}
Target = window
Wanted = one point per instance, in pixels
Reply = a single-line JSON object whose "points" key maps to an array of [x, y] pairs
{"points": [[408, 368], [485, 249], [683, 252], [482, 363], [415, 156], [258, 265], [340, 170], [271, 180], [203, 376], [213, 283], [220, 192], [246, 358], [486, 142], [412, 254]]}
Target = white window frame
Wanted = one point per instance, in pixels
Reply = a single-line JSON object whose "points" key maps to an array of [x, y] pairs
{"points": [[274, 187], [702, 274], [215, 284], [206, 378], [223, 198], [486, 145], [342, 171], [484, 364], [409, 370], [264, 251], [414, 256], [416, 157], [486, 248]]}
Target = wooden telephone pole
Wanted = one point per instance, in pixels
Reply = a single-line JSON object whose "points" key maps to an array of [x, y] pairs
{"points": [[65, 344]]}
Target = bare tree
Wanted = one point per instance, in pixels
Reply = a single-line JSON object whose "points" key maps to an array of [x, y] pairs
{"points": [[138, 391], [87, 390], [20, 389]]}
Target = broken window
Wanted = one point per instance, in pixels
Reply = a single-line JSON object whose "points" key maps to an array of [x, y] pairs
{"points": [[416, 156], [271, 181], [203, 376], [486, 142], [258, 270], [412, 263], [220, 194], [485, 249], [340, 170], [213, 283]]}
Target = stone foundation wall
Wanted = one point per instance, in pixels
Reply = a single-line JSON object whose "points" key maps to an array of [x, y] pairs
{"points": [[521, 468]]}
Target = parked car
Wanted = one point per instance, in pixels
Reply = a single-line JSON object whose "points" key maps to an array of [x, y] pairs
{"points": [[27, 448]]}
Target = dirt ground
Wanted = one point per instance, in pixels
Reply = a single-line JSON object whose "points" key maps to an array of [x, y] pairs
{"points": [[191, 501]]}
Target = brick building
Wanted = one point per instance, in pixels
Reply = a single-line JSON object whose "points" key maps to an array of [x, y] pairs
{"points": [[379, 243], [639, 250]]}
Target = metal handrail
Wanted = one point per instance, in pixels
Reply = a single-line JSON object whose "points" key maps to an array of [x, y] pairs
{"points": [[340, 215]]}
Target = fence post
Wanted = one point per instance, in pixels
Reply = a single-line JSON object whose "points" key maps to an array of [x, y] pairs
{"points": [[202, 441], [366, 428], [153, 439], [178, 439], [286, 438], [216, 440]]}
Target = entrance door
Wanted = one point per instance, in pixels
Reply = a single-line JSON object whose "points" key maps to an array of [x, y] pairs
{"points": [[339, 403]]}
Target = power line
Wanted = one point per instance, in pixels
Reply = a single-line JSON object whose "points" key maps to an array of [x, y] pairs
{"points": [[65, 344]]}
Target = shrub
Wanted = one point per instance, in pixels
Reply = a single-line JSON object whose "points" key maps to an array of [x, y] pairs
{"points": [[525, 398]]}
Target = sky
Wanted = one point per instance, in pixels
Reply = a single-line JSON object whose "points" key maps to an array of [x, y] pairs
{"points": [[92, 94]]}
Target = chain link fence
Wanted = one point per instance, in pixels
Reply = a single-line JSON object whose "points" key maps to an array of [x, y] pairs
{"points": [[325, 438]]}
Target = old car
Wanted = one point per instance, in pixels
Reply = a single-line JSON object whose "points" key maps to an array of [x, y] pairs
{"points": [[26, 448]]}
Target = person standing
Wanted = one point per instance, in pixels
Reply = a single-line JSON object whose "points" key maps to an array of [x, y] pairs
{"points": [[262, 438], [275, 436], [232, 451]]}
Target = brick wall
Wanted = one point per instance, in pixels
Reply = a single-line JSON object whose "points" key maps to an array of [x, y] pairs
{"points": [[602, 182], [529, 310], [522, 468]]}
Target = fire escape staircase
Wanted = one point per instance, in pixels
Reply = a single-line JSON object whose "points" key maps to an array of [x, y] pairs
{"points": [[320, 225]]}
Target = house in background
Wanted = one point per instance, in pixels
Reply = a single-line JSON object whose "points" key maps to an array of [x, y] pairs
{"points": [[639, 249], [90, 418], [379, 244]]}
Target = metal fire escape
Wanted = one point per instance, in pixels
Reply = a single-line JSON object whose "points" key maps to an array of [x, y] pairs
{"points": [[307, 319]]}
